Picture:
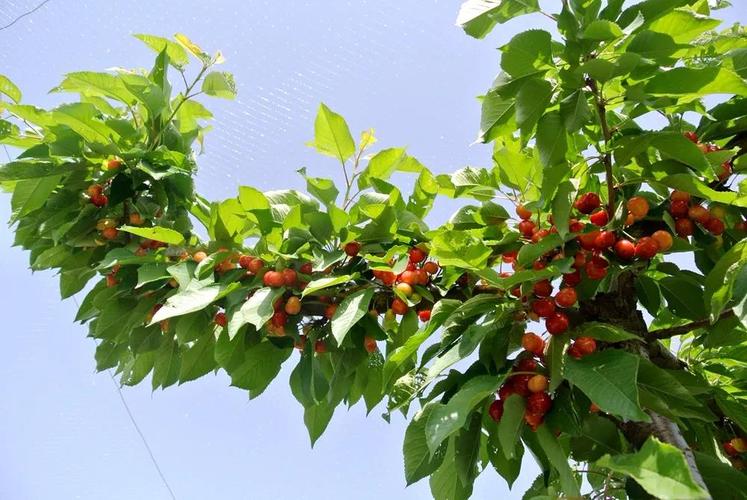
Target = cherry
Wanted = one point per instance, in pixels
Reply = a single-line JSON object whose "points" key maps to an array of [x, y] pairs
{"points": [[539, 403], [684, 227], [698, 213], [369, 343], [594, 271], [409, 277], [99, 200], [691, 136], [575, 226], [579, 259], [646, 248], [527, 364], [638, 206], [135, 219], [572, 279], [600, 217], [245, 261], [110, 233], [496, 410], [505, 391], [256, 265], [663, 239], [220, 319], [585, 345], [526, 228], [404, 289], [509, 257], [538, 235], [293, 305], [352, 248], [538, 383], [273, 279], [593, 408], [290, 277], [422, 276], [725, 171], [94, 190], [320, 346], [300, 344], [533, 343], [543, 307], [587, 203], [625, 249], [102, 224], [113, 163], [715, 226], [542, 288], [604, 240], [533, 420], [306, 268], [111, 280], [729, 449], [566, 297], [679, 208], [739, 444], [330, 311], [588, 240], [538, 264], [523, 212], [199, 256], [417, 255], [574, 352], [680, 196], [520, 384], [399, 307], [388, 278], [430, 267], [557, 323], [424, 315]]}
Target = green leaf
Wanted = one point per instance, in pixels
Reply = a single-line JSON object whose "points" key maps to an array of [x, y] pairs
{"points": [[696, 82], [601, 29], [691, 184], [561, 207], [659, 468], [719, 281], [446, 419], [670, 396], [684, 298], [198, 360], [732, 408], [551, 139], [478, 17], [91, 83], [460, 249], [260, 365], [10, 89], [166, 365], [445, 483], [575, 111], [467, 449], [509, 428], [177, 55], [419, 462], [83, 119], [156, 233], [531, 101], [31, 194], [683, 25], [609, 378], [317, 418], [332, 135], [322, 283], [256, 311], [349, 312], [559, 461], [722, 480], [533, 251], [527, 52], [194, 297], [605, 331], [496, 111], [509, 469], [19, 170], [323, 189], [219, 84], [678, 147]]}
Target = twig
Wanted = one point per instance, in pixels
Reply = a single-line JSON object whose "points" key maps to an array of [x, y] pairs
{"points": [[28, 13], [667, 333]]}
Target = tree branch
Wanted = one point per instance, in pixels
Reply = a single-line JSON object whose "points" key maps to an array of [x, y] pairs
{"points": [[667, 333], [601, 108]]}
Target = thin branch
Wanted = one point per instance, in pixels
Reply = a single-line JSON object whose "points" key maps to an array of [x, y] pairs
{"points": [[601, 107], [27, 13], [668, 333]]}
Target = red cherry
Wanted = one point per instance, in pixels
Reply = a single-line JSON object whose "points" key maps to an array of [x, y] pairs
{"points": [[279, 319], [663, 239], [527, 364], [509, 257], [423, 277], [520, 384], [523, 212], [680, 196], [110, 233], [320, 347], [417, 255], [369, 343], [557, 323], [399, 307], [595, 272], [729, 449], [646, 248], [604, 240], [587, 203], [539, 403], [638, 206], [588, 240], [543, 307], [306, 268], [526, 228], [625, 249], [698, 213], [572, 279], [290, 277], [409, 277], [566, 297], [430, 267], [220, 319], [679, 208], [424, 315], [538, 235], [715, 226], [575, 226], [505, 391], [99, 200], [496, 410], [293, 305], [94, 190], [533, 343], [538, 264], [600, 217], [273, 279], [352, 248], [684, 227], [533, 420], [542, 288], [245, 261], [725, 171], [255, 266], [585, 345], [691, 136]]}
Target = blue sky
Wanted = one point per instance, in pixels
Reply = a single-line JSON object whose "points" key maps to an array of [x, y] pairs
{"points": [[402, 68]]}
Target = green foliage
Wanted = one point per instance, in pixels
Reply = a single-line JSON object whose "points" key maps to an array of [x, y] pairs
{"points": [[103, 193]]}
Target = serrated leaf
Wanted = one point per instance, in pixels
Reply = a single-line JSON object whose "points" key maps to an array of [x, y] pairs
{"points": [[419, 462], [349, 312], [331, 135]]}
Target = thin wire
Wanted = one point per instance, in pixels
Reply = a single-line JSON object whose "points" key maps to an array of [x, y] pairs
{"points": [[28, 13], [137, 427]]}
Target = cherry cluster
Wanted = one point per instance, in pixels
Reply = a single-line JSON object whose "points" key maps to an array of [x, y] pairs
{"points": [[735, 449]]}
